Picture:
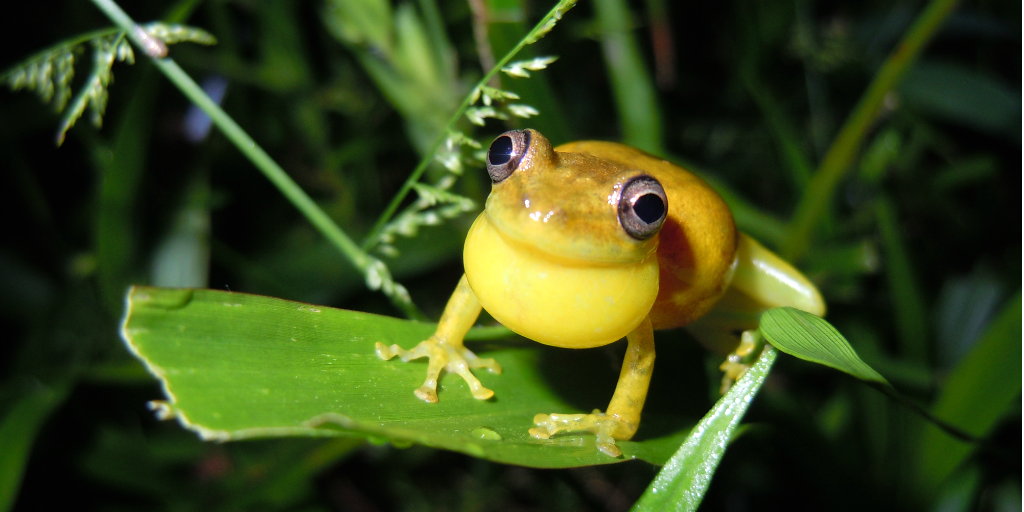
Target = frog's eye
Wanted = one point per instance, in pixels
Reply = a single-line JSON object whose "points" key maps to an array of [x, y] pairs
{"points": [[642, 207], [505, 153]]}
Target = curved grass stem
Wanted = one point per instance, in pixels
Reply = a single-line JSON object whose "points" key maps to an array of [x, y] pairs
{"points": [[840, 156], [369, 266]]}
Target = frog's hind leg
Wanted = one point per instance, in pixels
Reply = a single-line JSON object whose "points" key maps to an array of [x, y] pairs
{"points": [[738, 362], [622, 418], [762, 281], [771, 281], [445, 349]]}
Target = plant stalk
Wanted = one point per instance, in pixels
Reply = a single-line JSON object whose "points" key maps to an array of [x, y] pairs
{"points": [[316, 216], [839, 158]]}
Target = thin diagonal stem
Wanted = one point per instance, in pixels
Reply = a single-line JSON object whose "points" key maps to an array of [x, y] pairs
{"points": [[316, 216], [839, 158]]}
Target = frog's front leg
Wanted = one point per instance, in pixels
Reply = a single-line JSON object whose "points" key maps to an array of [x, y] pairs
{"points": [[622, 418], [445, 349]]}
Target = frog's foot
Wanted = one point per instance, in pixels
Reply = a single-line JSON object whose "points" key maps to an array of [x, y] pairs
{"points": [[443, 356], [738, 362], [597, 422]]}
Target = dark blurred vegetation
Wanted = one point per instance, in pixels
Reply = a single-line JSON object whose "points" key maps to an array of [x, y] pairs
{"points": [[914, 252]]}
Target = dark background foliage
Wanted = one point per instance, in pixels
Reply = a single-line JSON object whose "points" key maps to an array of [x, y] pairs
{"points": [[916, 255]]}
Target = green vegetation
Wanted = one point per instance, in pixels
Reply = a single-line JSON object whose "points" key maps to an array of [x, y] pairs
{"points": [[876, 144]]}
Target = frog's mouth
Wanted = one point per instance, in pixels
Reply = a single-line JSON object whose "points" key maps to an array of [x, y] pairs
{"points": [[593, 237], [569, 244]]}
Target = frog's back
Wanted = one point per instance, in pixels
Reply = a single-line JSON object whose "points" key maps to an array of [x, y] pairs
{"points": [[697, 244]]}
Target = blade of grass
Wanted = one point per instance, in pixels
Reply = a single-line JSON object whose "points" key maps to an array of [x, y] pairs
{"points": [[369, 266], [781, 129], [284, 483], [813, 339], [119, 187], [634, 91], [18, 431], [681, 484], [909, 310], [977, 394], [839, 158]]}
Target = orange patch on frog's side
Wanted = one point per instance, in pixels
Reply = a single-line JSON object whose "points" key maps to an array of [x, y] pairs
{"points": [[689, 283]]}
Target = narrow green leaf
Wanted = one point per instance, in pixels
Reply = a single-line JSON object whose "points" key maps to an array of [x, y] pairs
{"points": [[977, 394], [122, 178], [182, 258], [781, 128], [18, 432], [635, 98], [811, 338], [681, 484], [908, 301], [963, 95], [840, 156], [237, 366]]}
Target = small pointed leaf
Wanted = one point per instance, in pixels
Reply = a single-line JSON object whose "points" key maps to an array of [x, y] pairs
{"points": [[811, 338]]}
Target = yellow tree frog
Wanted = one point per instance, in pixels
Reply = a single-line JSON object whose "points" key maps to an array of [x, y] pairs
{"points": [[583, 244]]}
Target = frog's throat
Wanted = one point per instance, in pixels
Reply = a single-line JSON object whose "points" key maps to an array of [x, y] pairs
{"points": [[555, 301]]}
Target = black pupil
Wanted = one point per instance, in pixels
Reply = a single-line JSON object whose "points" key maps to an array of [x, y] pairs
{"points": [[501, 151], [649, 207]]}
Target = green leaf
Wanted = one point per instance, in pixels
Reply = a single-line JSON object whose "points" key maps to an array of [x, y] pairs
{"points": [[962, 95], [17, 434], [907, 298], [116, 201], [811, 338], [983, 387], [682, 482], [237, 366], [635, 98]]}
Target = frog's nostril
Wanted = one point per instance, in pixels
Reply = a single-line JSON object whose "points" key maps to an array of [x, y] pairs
{"points": [[649, 207], [500, 151]]}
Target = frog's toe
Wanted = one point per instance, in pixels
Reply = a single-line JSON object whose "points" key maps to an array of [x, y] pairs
{"points": [[479, 362], [597, 422], [385, 352], [733, 371], [608, 447], [460, 365], [426, 393], [482, 393], [738, 362], [545, 428]]}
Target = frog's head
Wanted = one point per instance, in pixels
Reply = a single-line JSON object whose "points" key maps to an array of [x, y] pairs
{"points": [[571, 205]]}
